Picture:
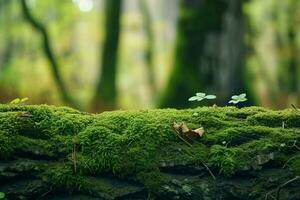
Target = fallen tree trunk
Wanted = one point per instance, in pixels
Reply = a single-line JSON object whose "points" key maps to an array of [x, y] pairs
{"points": [[59, 153]]}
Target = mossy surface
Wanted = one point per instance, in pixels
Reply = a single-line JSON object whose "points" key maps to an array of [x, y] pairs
{"points": [[81, 149]]}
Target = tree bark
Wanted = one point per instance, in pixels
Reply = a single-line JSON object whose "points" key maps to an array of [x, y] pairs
{"points": [[8, 40], [106, 89], [58, 153], [148, 26]]}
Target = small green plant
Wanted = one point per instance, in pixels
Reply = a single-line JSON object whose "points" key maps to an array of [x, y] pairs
{"points": [[19, 101], [2, 195], [235, 99], [200, 96]]}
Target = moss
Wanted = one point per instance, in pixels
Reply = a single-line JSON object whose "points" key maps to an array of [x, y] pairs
{"points": [[136, 145], [267, 185], [64, 177], [288, 118], [235, 136], [8, 130], [294, 166], [245, 112], [225, 159], [33, 148], [6, 147]]}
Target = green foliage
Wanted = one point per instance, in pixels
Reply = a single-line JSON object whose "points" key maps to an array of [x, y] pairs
{"points": [[235, 99], [201, 96]]}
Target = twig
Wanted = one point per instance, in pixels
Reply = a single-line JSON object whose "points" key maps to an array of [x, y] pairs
{"points": [[297, 109], [295, 145], [277, 197], [284, 184], [208, 170], [269, 194], [74, 154], [283, 125], [178, 134], [149, 196], [285, 164], [203, 163], [44, 194]]}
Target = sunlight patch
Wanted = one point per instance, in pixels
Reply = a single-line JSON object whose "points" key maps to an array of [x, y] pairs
{"points": [[84, 5]]}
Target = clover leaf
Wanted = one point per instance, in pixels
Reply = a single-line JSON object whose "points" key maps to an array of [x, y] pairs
{"points": [[19, 101], [235, 99], [200, 96]]}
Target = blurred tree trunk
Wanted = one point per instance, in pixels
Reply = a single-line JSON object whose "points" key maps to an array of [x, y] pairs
{"points": [[41, 29], [5, 21], [274, 57], [147, 21], [106, 91], [197, 20], [289, 71], [223, 63], [209, 54]]}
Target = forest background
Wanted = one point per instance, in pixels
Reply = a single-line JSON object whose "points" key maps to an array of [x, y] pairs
{"points": [[97, 55]]}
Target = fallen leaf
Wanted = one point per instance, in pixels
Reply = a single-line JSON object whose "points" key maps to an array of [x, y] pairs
{"points": [[21, 113], [200, 131], [182, 129]]}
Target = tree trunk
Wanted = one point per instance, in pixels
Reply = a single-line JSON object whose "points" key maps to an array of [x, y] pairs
{"points": [[58, 153], [276, 73], [210, 52], [8, 40], [148, 26], [288, 70], [106, 89]]}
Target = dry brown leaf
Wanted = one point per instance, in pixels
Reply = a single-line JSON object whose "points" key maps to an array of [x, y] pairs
{"points": [[184, 128], [22, 114], [200, 131], [187, 133]]}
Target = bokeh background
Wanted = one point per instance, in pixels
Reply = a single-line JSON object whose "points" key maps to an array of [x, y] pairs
{"points": [[98, 55]]}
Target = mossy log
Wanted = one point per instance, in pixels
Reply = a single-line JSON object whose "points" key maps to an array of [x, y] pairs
{"points": [[59, 153]]}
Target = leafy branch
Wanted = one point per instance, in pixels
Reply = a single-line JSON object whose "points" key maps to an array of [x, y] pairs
{"points": [[40, 28]]}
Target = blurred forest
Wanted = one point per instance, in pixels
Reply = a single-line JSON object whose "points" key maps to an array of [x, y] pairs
{"points": [[98, 55]]}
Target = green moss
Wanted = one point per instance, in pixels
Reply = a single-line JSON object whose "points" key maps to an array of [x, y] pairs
{"points": [[8, 130], [288, 118], [294, 165], [245, 112], [225, 159], [235, 136], [137, 144], [6, 147], [64, 177]]}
